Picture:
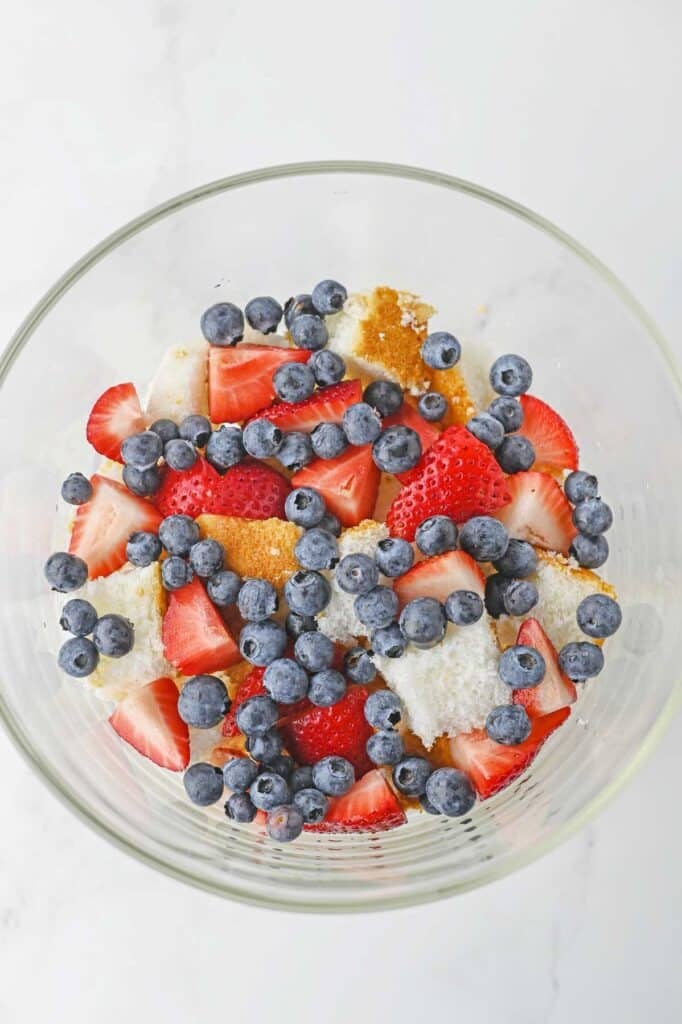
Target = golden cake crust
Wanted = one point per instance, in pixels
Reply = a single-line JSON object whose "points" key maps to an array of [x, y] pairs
{"points": [[255, 547]]}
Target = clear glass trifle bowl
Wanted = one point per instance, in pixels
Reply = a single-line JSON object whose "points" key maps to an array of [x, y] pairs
{"points": [[498, 275]]}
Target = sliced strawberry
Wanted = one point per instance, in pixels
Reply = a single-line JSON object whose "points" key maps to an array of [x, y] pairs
{"points": [[341, 729], [458, 477], [490, 765], [115, 415], [370, 806], [538, 512], [251, 491], [554, 444], [252, 686], [104, 524], [556, 690], [190, 492], [324, 406], [349, 483], [195, 638], [240, 378], [439, 576], [408, 416], [148, 720]]}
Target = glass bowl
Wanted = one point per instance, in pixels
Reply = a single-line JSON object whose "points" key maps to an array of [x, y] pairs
{"points": [[498, 274]]}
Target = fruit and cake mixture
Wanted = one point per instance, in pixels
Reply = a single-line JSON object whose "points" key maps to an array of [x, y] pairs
{"points": [[333, 571]]}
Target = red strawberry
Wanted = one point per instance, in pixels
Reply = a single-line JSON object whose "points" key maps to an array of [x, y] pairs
{"points": [[104, 524], [538, 512], [324, 406], [195, 638], [349, 483], [458, 477], [556, 690], [341, 729], [490, 765], [148, 719], [240, 378], [407, 416], [439, 576], [115, 415], [554, 444], [189, 492], [252, 686], [370, 806], [250, 490]]}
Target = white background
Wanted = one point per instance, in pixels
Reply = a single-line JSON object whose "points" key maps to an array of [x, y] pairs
{"points": [[569, 107]]}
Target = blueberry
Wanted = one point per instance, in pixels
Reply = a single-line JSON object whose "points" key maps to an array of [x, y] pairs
{"points": [[450, 792], [383, 709], [592, 516], [240, 808], [307, 592], [178, 534], [180, 454], [410, 775], [463, 607], [317, 549], [487, 429], [78, 657], [308, 331], [508, 411], [432, 406], [327, 687], [484, 538], [176, 573], [328, 297], [328, 440], [384, 396], [224, 587], [511, 376], [225, 448], [195, 429], [293, 382], [328, 367], [295, 451], [297, 306], [389, 641], [358, 665], [519, 560], [203, 702], [223, 324], [397, 449], [314, 651], [521, 666], [257, 600], [297, 624], [206, 558], [385, 747], [65, 572], [286, 681], [495, 586], [263, 314], [312, 804], [239, 773], [581, 660], [262, 642], [519, 597], [590, 552], [426, 804], [142, 482], [441, 350], [361, 423], [257, 715], [515, 454], [423, 621], [580, 485], [331, 524], [203, 784], [598, 615], [143, 450], [114, 636], [394, 556], [78, 617], [508, 724], [269, 790], [76, 489], [265, 747], [357, 573], [143, 548], [284, 823], [377, 608], [282, 765], [304, 506], [166, 429], [333, 776], [301, 778], [436, 535], [261, 439]]}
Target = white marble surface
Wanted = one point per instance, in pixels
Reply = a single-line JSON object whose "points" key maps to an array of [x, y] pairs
{"points": [[570, 107]]}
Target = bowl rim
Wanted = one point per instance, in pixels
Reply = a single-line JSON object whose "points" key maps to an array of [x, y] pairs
{"points": [[40, 310]]}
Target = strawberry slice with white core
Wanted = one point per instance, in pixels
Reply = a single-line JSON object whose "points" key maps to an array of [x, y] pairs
{"points": [[538, 512], [195, 638], [349, 483], [240, 378], [115, 416], [148, 720], [104, 524], [554, 444], [369, 806], [324, 406], [439, 576], [556, 690]]}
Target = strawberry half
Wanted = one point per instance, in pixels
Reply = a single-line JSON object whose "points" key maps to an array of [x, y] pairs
{"points": [[490, 765], [251, 491], [195, 638], [189, 492], [407, 416], [458, 477], [341, 730], [252, 686], [369, 806], [538, 512], [556, 690], [324, 406], [439, 576], [104, 524], [115, 416], [240, 378], [349, 483], [148, 720], [554, 444]]}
